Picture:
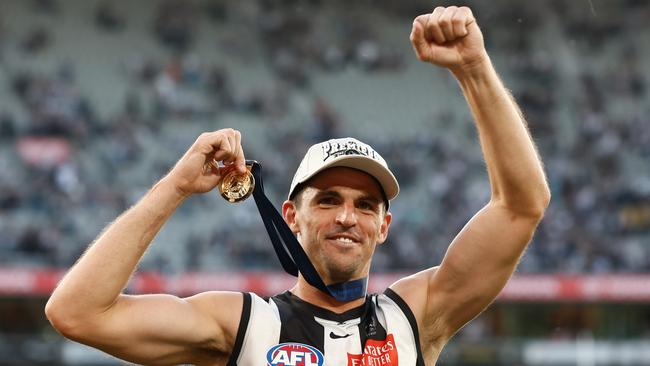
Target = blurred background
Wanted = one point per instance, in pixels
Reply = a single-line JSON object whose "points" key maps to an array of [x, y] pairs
{"points": [[98, 99]]}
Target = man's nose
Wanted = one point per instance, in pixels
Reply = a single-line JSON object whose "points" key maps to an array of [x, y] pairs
{"points": [[347, 215]]}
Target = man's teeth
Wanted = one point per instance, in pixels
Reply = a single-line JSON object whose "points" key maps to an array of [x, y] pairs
{"points": [[345, 240]]}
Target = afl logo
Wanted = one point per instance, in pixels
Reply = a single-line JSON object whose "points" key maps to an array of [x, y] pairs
{"points": [[294, 354]]}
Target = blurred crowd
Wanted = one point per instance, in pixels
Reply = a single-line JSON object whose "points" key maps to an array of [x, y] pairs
{"points": [[66, 170]]}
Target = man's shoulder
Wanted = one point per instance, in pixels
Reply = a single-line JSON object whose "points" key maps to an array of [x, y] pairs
{"points": [[413, 290], [414, 283]]}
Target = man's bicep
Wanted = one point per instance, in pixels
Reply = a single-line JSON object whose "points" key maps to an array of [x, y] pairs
{"points": [[477, 265], [165, 329]]}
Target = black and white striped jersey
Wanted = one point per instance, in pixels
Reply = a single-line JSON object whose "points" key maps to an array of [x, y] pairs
{"points": [[286, 331]]}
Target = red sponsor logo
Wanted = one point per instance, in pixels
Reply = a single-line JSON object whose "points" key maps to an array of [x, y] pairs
{"points": [[376, 353]]}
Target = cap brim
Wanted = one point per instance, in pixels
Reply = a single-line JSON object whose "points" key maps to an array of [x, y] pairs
{"points": [[385, 177]]}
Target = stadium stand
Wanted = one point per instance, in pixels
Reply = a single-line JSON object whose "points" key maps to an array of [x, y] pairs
{"points": [[99, 98], [120, 99]]}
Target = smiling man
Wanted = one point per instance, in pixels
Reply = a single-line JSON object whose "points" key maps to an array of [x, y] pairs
{"points": [[338, 208]]}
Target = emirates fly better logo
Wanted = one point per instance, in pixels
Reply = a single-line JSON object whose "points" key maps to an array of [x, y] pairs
{"points": [[376, 353], [294, 354]]}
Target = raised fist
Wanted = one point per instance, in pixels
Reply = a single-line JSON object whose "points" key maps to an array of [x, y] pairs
{"points": [[448, 37]]}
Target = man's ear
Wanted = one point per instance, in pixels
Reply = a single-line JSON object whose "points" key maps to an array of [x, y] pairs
{"points": [[289, 214], [383, 229]]}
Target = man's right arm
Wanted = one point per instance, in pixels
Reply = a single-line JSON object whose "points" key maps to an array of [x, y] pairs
{"points": [[88, 305]]}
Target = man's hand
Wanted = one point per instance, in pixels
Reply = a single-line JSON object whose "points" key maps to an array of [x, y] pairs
{"points": [[195, 171], [448, 37]]}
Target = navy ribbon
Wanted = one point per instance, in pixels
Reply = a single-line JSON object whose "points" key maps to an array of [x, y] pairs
{"points": [[291, 255]]}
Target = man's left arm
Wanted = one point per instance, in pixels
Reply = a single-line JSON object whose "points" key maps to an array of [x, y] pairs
{"points": [[483, 256]]}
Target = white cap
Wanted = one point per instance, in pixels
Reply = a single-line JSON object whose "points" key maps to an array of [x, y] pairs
{"points": [[345, 152]]}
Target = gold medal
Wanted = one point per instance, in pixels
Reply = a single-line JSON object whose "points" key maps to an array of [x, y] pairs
{"points": [[235, 186]]}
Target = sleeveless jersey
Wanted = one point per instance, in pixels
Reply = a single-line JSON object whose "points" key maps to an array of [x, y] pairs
{"points": [[286, 331]]}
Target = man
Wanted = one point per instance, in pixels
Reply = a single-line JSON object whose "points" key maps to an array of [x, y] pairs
{"points": [[339, 213]]}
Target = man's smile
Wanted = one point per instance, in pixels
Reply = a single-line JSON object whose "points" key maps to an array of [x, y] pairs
{"points": [[345, 239]]}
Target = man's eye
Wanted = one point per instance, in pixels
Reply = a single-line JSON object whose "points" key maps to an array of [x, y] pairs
{"points": [[327, 201], [366, 205]]}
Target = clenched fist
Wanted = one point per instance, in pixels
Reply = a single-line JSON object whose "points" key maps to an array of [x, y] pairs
{"points": [[448, 37], [195, 171]]}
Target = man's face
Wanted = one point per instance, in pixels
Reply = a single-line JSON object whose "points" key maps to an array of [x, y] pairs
{"points": [[339, 221]]}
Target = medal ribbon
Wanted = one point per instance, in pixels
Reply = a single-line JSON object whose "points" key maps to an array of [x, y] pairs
{"points": [[291, 255]]}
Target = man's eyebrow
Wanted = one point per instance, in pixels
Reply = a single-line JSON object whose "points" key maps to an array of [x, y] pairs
{"points": [[370, 198], [327, 193]]}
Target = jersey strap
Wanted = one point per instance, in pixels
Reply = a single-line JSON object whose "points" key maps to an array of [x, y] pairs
{"points": [[291, 255]]}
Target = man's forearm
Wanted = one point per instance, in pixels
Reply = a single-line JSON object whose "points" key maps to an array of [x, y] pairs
{"points": [[98, 278], [514, 167]]}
